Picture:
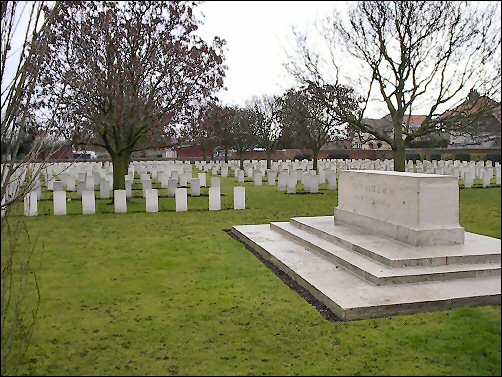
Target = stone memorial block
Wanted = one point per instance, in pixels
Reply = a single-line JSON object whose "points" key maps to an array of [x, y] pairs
{"points": [[181, 199], [31, 204], [59, 201], [239, 197], [498, 175], [171, 187], [202, 179], [120, 201], [88, 202], [224, 171], [418, 209], [195, 187], [214, 198], [81, 176], [152, 200], [215, 182], [257, 177]]}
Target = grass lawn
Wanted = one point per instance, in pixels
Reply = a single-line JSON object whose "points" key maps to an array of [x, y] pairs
{"points": [[173, 294]]}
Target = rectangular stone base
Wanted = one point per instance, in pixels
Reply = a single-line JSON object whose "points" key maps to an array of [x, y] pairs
{"points": [[415, 237]]}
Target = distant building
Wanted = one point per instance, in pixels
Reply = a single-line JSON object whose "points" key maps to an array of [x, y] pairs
{"points": [[482, 118]]}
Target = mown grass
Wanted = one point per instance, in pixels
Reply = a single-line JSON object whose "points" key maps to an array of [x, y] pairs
{"points": [[172, 293]]}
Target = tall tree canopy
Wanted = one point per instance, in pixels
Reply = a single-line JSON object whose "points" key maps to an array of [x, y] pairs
{"points": [[267, 126], [126, 71], [307, 118], [414, 55]]}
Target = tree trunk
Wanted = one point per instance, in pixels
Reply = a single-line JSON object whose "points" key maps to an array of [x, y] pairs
{"points": [[120, 169], [399, 157], [315, 153], [204, 153], [226, 156], [269, 158], [241, 155]]}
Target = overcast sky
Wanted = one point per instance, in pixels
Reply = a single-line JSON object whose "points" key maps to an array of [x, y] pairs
{"points": [[257, 35]]}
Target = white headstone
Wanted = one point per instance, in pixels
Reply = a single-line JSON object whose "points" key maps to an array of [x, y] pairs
{"points": [[30, 204], [202, 179], [59, 201], [291, 184], [104, 189], [57, 186], [88, 202], [215, 182], [214, 199], [239, 197], [181, 199], [120, 201], [147, 185], [128, 187], [152, 200], [195, 187], [171, 187]]}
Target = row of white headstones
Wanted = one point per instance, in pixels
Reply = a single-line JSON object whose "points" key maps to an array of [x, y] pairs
{"points": [[171, 174]]}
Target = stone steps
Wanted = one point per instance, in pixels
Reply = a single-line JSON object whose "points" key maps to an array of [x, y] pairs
{"points": [[393, 253], [378, 273], [349, 295]]}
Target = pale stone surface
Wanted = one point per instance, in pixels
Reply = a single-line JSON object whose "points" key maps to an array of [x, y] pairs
{"points": [[215, 182], [257, 177], [353, 297], [120, 201], [214, 199], [57, 186], [59, 202], [31, 204], [291, 184], [172, 186], [147, 185], [202, 179], [104, 189], [88, 202], [415, 208], [239, 197], [195, 187], [152, 200], [181, 199], [240, 176], [332, 181], [128, 187]]}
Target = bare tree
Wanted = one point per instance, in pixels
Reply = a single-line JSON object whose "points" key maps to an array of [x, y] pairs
{"points": [[218, 119], [127, 71], [267, 127], [305, 115], [243, 132], [24, 133], [414, 55]]}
